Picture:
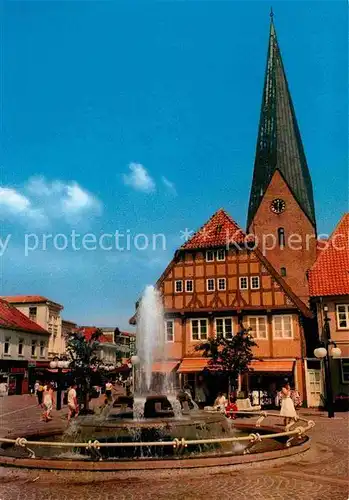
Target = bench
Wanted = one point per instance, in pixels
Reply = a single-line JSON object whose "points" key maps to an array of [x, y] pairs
{"points": [[245, 405]]}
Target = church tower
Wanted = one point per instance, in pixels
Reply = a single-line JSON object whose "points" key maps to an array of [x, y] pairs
{"points": [[281, 210]]}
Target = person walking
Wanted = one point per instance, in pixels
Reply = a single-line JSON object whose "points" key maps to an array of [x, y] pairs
{"points": [[3, 388], [48, 402], [287, 407], [39, 390], [73, 407], [108, 391]]}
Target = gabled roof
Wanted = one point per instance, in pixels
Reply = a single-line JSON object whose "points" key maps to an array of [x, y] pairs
{"points": [[28, 299], [279, 143], [208, 237], [330, 273], [218, 231], [12, 318]]}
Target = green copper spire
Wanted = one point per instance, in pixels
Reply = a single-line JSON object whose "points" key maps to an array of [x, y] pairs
{"points": [[279, 144]]}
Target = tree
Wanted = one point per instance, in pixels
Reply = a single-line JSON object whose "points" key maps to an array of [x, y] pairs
{"points": [[229, 356], [84, 360]]}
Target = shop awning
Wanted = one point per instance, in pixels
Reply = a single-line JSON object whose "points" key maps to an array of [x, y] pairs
{"points": [[271, 365], [192, 365], [164, 366]]}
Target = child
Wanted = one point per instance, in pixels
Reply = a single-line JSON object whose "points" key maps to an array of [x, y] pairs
{"points": [[231, 407]]}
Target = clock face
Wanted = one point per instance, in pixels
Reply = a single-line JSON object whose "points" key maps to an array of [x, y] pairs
{"points": [[278, 206]]}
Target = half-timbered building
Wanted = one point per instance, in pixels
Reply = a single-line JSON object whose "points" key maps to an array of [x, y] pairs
{"points": [[218, 283]]}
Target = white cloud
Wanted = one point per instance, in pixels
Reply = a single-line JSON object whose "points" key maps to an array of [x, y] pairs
{"points": [[171, 188], [42, 201], [139, 179], [12, 202]]}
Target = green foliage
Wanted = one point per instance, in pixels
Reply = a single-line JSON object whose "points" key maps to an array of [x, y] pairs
{"points": [[229, 356], [84, 359]]}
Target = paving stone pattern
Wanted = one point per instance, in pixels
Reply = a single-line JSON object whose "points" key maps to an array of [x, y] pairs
{"points": [[319, 474]]}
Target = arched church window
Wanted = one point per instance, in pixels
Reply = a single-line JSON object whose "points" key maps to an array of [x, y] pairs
{"points": [[281, 237]]}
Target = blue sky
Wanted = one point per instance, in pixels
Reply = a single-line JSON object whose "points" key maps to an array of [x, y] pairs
{"points": [[142, 117]]}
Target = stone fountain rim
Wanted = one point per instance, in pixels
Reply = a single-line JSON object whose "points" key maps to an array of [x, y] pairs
{"points": [[157, 463]]}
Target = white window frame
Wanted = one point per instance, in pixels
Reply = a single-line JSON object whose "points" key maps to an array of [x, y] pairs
{"points": [[175, 286], [31, 348], [251, 282], [225, 284], [199, 326], [283, 337], [214, 285], [42, 346], [243, 278], [217, 254], [22, 344], [256, 335], [346, 362], [213, 255], [192, 286], [224, 332], [346, 312], [169, 321], [7, 341]]}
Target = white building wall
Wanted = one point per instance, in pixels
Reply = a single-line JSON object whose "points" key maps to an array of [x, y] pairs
{"points": [[14, 338]]}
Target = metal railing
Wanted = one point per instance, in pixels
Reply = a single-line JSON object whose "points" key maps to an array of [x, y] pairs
{"points": [[178, 444]]}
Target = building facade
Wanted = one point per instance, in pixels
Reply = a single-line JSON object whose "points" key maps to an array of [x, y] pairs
{"points": [[212, 288], [108, 351], [329, 291], [45, 313], [23, 344], [216, 283]]}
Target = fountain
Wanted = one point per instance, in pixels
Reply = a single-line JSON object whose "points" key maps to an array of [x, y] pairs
{"points": [[154, 424]]}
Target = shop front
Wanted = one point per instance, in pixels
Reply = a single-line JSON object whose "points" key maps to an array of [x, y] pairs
{"points": [[15, 374], [266, 378]]}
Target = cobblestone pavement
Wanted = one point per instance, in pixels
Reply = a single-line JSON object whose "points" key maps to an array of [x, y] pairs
{"points": [[319, 474]]}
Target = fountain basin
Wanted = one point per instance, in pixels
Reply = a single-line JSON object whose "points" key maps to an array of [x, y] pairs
{"points": [[60, 459]]}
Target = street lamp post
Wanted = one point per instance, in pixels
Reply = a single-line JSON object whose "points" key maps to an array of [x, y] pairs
{"points": [[324, 352], [59, 364]]}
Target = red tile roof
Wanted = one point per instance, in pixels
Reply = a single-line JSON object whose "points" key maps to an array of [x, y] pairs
{"points": [[216, 232], [88, 331], [330, 273], [12, 318], [27, 299]]}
